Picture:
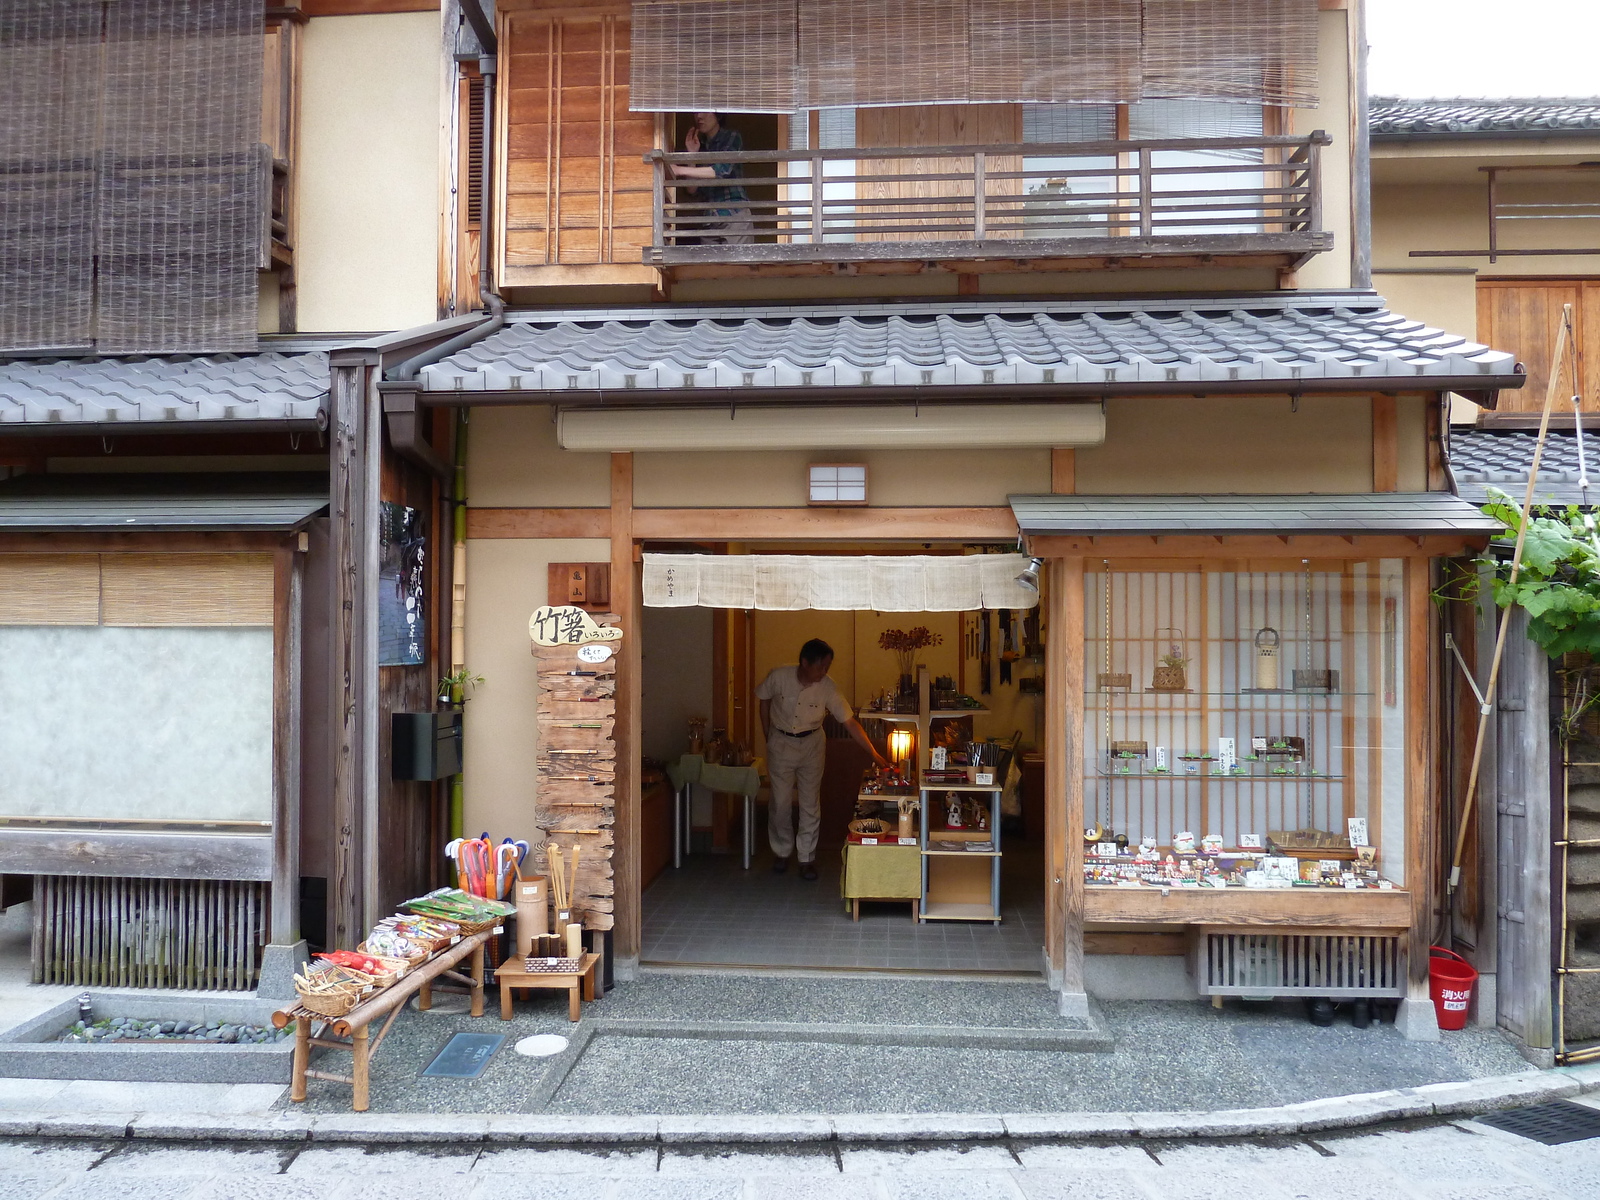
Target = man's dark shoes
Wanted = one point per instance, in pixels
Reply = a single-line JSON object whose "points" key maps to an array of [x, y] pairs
{"points": [[780, 865], [808, 870]]}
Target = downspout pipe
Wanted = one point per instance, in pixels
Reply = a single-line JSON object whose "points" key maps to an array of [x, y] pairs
{"points": [[401, 406]]}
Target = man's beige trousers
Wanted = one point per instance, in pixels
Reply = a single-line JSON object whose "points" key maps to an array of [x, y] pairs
{"points": [[795, 766]]}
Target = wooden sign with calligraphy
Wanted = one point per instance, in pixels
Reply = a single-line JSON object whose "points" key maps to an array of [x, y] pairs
{"points": [[568, 625]]}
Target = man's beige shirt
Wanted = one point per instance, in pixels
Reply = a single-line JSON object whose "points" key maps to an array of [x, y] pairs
{"points": [[797, 708]]}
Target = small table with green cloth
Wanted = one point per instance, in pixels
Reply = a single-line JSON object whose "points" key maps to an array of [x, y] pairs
{"points": [[882, 872], [739, 781]]}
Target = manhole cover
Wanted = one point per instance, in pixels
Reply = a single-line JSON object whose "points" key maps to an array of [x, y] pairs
{"points": [[465, 1055], [1553, 1124], [542, 1045]]}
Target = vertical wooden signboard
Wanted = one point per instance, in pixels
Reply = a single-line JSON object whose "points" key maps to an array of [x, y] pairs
{"points": [[575, 801]]}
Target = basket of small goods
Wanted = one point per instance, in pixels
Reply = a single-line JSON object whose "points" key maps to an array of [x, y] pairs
{"points": [[389, 943], [473, 914], [381, 969], [330, 990], [429, 933]]}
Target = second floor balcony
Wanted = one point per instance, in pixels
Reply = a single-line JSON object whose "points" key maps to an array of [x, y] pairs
{"points": [[1252, 201]]}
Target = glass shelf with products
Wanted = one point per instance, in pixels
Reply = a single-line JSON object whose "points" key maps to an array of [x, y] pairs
{"points": [[1277, 706]]}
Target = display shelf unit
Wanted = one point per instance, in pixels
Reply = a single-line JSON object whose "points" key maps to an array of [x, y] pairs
{"points": [[925, 715], [959, 885]]}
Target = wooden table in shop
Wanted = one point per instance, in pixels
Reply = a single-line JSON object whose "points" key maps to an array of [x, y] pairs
{"points": [[350, 1031], [514, 973]]}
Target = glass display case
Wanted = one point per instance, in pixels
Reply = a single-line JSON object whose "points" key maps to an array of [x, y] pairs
{"points": [[1245, 728]]}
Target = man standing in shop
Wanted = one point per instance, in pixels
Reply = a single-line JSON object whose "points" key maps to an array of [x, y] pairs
{"points": [[794, 702]]}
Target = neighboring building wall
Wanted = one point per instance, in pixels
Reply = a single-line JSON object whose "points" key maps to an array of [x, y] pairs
{"points": [[368, 173], [1332, 269]]}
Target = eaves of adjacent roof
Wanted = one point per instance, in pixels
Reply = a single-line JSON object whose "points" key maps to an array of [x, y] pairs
{"points": [[1397, 120], [1480, 459], [1282, 342]]}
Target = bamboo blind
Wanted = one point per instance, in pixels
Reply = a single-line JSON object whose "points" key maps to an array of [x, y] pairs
{"points": [[713, 55], [781, 55], [186, 589], [1250, 51], [49, 589], [1056, 50], [140, 590], [883, 52]]}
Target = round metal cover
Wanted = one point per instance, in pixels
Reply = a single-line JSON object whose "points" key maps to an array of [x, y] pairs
{"points": [[542, 1045]]}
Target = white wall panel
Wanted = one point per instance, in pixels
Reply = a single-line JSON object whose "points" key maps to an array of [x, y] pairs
{"points": [[153, 724]]}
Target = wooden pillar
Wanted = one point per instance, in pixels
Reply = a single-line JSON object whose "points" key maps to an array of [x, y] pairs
{"points": [[288, 572], [349, 695], [1063, 470], [1417, 1020], [627, 867], [1063, 918], [1385, 445]]}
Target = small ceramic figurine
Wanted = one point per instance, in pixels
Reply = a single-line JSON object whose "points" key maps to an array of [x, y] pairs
{"points": [[1183, 843], [952, 812]]}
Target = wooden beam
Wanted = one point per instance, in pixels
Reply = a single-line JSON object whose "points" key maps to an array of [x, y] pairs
{"points": [[138, 543], [627, 864], [1385, 445], [1169, 945], [1063, 781], [538, 523], [287, 577], [135, 854], [1421, 802], [1319, 908], [1212, 547], [1063, 470], [853, 524]]}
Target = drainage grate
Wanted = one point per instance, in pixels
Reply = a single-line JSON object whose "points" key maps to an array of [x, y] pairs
{"points": [[465, 1055], [1553, 1124]]}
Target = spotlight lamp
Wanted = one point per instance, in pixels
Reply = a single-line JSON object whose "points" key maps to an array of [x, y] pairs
{"points": [[1030, 574]]}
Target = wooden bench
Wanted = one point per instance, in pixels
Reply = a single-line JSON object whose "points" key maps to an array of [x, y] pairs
{"points": [[513, 973], [350, 1032]]}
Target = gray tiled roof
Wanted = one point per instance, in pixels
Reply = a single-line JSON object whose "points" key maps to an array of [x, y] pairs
{"points": [[1279, 339], [176, 388], [1405, 513], [1481, 458], [233, 512], [1398, 119]]}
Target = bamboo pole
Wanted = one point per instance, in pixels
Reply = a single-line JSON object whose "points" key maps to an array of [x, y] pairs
{"points": [[1486, 709]]}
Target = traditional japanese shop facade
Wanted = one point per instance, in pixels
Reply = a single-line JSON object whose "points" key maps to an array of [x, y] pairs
{"points": [[1234, 493]]}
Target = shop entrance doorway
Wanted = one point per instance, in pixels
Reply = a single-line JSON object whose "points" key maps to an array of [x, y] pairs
{"points": [[983, 686]]}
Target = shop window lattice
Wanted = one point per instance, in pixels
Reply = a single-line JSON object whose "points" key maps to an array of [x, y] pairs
{"points": [[1333, 965], [1554, 1124]]}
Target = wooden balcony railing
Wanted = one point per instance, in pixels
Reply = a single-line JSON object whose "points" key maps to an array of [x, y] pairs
{"points": [[1257, 197]]}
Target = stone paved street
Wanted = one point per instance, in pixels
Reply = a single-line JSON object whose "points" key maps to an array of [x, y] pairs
{"points": [[1416, 1161]]}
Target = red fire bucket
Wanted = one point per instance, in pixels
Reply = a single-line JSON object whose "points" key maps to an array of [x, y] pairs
{"points": [[1451, 980]]}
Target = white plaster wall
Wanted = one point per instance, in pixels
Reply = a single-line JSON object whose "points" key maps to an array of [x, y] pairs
{"points": [[153, 724], [367, 173]]}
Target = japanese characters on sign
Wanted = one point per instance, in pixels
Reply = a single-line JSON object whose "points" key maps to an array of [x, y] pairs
{"points": [[568, 625]]}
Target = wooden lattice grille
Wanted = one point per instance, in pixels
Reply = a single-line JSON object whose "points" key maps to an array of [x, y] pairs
{"points": [[153, 933]]}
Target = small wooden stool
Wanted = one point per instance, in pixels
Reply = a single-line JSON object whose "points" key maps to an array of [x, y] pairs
{"points": [[514, 973]]}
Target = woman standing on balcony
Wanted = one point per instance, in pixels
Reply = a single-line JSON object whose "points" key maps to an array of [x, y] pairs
{"points": [[729, 223]]}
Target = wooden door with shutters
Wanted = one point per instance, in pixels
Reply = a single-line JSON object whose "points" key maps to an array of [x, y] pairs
{"points": [[932, 125], [577, 188], [1523, 316]]}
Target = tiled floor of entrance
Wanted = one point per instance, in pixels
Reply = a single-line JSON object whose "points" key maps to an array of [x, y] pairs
{"points": [[713, 911]]}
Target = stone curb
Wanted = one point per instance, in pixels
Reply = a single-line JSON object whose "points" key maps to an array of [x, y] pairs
{"points": [[1466, 1098]]}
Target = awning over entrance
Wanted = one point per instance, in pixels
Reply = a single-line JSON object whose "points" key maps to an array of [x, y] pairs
{"points": [[67, 504], [863, 583], [1410, 514], [955, 350]]}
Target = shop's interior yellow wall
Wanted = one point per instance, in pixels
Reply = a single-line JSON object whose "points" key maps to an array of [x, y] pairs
{"points": [[506, 580], [1231, 444], [1331, 269], [367, 173], [513, 462]]}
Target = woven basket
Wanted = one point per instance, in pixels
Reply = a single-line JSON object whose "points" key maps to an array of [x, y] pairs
{"points": [[421, 956], [1169, 679], [468, 928], [1114, 681], [333, 991], [392, 969], [870, 826], [553, 966]]}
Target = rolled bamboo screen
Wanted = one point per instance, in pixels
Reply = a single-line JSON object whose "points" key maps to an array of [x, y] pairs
{"points": [[783, 55], [713, 55], [186, 589], [49, 589], [1251, 51], [883, 52], [141, 590], [1056, 50]]}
